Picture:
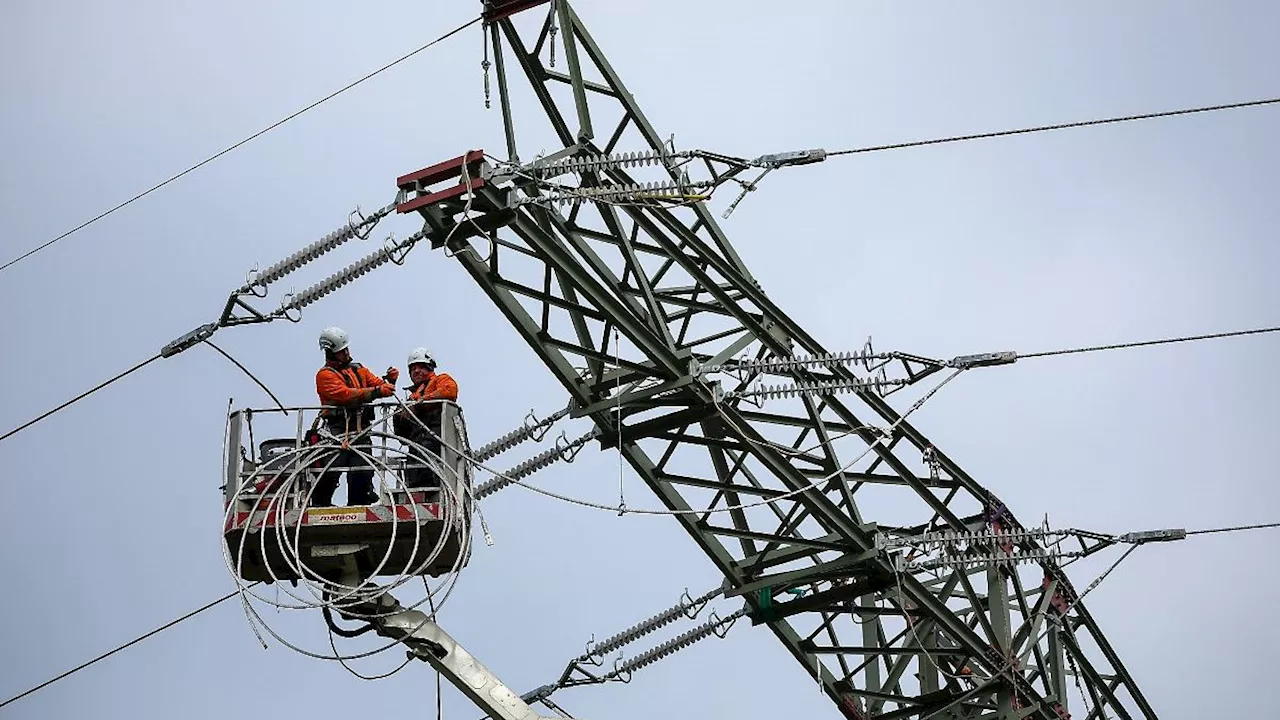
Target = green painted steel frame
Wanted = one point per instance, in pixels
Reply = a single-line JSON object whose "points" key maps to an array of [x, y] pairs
{"points": [[970, 650]]}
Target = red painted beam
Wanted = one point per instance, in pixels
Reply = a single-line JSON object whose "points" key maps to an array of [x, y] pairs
{"points": [[435, 197], [439, 171]]}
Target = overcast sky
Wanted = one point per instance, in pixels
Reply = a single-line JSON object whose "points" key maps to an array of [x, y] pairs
{"points": [[1081, 237]]}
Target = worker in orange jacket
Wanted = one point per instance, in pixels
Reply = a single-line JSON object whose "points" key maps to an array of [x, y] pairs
{"points": [[346, 388], [428, 385]]}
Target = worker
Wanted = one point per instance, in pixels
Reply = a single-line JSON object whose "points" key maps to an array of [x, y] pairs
{"points": [[346, 388], [428, 385]]}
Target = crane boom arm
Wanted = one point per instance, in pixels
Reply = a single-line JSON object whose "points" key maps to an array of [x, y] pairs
{"points": [[425, 640]]}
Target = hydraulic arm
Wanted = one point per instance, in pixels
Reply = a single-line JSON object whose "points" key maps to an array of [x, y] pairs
{"points": [[425, 640]]}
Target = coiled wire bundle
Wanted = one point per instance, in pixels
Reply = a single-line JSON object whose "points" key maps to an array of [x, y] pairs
{"points": [[275, 487]]}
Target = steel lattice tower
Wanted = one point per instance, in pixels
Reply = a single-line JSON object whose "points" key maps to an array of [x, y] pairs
{"points": [[986, 640]]}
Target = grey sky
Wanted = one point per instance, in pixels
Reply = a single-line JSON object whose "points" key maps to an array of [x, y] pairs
{"points": [[1086, 236]]}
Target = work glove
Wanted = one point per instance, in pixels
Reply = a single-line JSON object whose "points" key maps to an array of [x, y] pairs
{"points": [[392, 375], [386, 390]]}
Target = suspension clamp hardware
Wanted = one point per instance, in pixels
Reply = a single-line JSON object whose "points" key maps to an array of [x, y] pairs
{"points": [[964, 362], [794, 157], [1146, 536], [191, 339]]}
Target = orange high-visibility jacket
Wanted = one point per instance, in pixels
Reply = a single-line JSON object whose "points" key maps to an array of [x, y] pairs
{"points": [[346, 386], [439, 386]]}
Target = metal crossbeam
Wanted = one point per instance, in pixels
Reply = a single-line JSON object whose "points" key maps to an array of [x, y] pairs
{"points": [[664, 281]]}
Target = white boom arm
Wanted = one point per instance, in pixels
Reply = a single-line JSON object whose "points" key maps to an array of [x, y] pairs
{"points": [[426, 640]]}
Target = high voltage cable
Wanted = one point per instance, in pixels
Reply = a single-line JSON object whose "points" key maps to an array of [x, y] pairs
{"points": [[1148, 343], [234, 593], [1235, 528], [129, 644], [81, 396], [130, 371], [252, 137], [1060, 126], [245, 370], [1020, 356]]}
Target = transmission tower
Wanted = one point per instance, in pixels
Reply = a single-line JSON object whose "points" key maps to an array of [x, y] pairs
{"points": [[605, 257]]}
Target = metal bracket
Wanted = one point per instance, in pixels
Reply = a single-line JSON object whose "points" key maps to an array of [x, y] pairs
{"points": [[189, 340], [964, 362]]}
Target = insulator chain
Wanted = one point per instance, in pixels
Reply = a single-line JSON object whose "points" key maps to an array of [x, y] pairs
{"points": [[863, 357], [623, 192], [561, 452], [326, 244], [995, 559], [707, 629], [980, 537], [532, 429], [879, 384], [585, 163], [977, 548], [387, 253], [656, 622]]}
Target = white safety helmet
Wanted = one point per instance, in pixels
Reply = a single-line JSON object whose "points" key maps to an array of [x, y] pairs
{"points": [[420, 355], [333, 339]]}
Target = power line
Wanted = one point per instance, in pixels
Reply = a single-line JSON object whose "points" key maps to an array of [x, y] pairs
{"points": [[245, 370], [1061, 126], [252, 137], [1147, 343], [82, 396], [132, 370], [1236, 528], [129, 644]]}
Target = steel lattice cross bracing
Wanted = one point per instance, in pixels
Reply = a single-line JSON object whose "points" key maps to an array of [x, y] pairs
{"points": [[646, 263]]}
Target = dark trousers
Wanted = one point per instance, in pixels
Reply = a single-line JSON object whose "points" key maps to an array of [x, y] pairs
{"points": [[422, 477], [359, 482]]}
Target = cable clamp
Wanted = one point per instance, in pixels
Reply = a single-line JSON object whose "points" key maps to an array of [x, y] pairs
{"points": [[793, 157], [965, 362], [189, 340], [1146, 536]]}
